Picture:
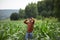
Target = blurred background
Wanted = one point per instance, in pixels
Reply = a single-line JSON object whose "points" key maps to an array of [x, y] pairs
{"points": [[29, 8]]}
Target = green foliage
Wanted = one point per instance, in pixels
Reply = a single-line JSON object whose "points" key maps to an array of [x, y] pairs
{"points": [[57, 8], [45, 8], [12, 30], [39, 17], [14, 16], [47, 29], [31, 10], [21, 13]]}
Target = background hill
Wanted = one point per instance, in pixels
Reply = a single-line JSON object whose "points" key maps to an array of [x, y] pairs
{"points": [[6, 13]]}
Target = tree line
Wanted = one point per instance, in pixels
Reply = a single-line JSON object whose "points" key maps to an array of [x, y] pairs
{"points": [[45, 8]]}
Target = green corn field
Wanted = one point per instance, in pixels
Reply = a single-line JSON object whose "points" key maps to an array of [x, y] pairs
{"points": [[43, 30]]}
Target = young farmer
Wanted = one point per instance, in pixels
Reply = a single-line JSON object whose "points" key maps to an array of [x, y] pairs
{"points": [[30, 24]]}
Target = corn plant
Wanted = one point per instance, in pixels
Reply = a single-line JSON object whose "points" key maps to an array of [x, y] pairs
{"points": [[43, 30]]}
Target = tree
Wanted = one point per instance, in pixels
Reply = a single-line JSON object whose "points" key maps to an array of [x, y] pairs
{"points": [[44, 14], [31, 10], [45, 6], [57, 9], [22, 13], [40, 6], [14, 16]]}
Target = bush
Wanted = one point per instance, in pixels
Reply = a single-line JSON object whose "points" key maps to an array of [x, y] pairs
{"points": [[14, 16]]}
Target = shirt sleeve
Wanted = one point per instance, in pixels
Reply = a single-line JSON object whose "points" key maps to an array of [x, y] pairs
{"points": [[33, 21], [25, 21]]}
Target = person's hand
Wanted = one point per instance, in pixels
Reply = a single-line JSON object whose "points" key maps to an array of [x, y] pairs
{"points": [[27, 20]]}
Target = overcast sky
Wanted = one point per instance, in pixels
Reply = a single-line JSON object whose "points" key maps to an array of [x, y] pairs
{"points": [[15, 4]]}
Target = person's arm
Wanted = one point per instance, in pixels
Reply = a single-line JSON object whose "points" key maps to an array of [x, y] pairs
{"points": [[33, 21], [25, 21]]}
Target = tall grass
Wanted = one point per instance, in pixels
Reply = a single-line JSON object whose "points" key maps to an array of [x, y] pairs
{"points": [[47, 29]]}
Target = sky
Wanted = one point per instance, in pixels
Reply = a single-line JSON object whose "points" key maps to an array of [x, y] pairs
{"points": [[15, 4]]}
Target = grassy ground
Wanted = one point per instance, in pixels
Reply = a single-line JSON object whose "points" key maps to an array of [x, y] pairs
{"points": [[47, 29]]}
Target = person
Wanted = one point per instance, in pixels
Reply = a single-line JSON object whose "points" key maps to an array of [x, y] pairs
{"points": [[30, 24]]}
